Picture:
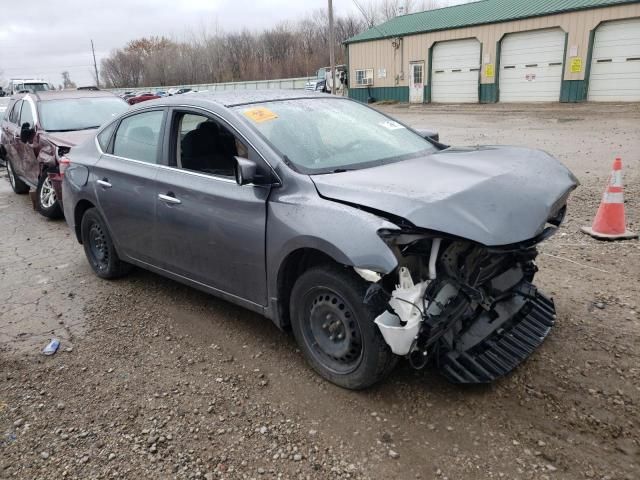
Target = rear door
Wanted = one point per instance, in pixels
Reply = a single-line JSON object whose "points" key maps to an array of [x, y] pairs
{"points": [[208, 228], [125, 182], [12, 136]]}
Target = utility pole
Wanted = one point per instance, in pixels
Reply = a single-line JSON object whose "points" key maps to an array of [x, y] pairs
{"points": [[332, 43], [95, 65]]}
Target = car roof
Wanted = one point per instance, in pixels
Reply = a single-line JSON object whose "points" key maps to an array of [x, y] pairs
{"points": [[66, 94], [232, 98]]}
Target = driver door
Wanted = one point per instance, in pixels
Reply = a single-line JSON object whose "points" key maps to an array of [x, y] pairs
{"points": [[25, 150], [209, 229]]}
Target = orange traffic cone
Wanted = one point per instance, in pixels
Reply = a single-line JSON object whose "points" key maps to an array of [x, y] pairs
{"points": [[609, 223]]}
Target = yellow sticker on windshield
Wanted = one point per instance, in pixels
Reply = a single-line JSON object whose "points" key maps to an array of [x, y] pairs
{"points": [[260, 114]]}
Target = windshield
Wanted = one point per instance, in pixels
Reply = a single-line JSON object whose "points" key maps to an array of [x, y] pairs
{"points": [[325, 135], [79, 113], [33, 87]]}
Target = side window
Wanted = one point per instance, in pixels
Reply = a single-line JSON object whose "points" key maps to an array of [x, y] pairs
{"points": [[26, 114], [104, 137], [15, 112], [204, 145], [138, 137]]}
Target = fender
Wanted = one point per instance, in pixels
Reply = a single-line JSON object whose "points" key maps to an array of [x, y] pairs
{"points": [[344, 233]]}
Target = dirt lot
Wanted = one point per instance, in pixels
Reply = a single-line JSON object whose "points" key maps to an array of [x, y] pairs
{"points": [[156, 380]]}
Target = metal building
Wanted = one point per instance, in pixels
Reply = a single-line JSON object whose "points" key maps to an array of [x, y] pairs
{"points": [[502, 50]]}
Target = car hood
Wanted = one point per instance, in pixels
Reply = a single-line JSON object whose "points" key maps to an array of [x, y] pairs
{"points": [[70, 139], [491, 195]]}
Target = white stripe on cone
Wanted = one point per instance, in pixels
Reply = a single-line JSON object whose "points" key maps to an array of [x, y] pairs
{"points": [[613, 197], [616, 178]]}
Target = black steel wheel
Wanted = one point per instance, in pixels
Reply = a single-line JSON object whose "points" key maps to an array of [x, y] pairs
{"points": [[332, 331], [335, 330], [99, 248]]}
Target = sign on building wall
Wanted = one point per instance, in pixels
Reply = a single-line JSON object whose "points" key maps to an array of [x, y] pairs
{"points": [[576, 64], [382, 73], [489, 71]]}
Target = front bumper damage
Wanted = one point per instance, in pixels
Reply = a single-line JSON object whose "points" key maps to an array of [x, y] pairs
{"points": [[470, 310]]}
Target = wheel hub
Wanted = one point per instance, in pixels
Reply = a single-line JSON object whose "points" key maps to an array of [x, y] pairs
{"points": [[333, 331], [97, 245], [47, 193]]}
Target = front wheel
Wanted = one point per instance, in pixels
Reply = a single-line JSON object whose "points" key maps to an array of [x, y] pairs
{"points": [[48, 204], [336, 330], [99, 248]]}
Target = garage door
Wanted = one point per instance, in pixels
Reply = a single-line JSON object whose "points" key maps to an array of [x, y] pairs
{"points": [[455, 71], [531, 66], [615, 64]]}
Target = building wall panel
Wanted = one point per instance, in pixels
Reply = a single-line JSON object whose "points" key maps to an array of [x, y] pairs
{"points": [[379, 54]]}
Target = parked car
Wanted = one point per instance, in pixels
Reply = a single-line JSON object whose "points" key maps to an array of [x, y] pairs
{"points": [[161, 93], [180, 91], [4, 102], [142, 97], [40, 128], [369, 240]]}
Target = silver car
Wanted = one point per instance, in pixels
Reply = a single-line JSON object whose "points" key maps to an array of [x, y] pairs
{"points": [[371, 241]]}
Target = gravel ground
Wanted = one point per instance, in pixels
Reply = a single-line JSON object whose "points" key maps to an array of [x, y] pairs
{"points": [[156, 380]]}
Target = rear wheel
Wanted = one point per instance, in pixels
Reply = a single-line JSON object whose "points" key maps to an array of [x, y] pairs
{"points": [[17, 185], [99, 248], [336, 330], [48, 204]]}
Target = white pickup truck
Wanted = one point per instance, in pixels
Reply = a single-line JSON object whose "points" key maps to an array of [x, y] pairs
{"points": [[17, 85]]}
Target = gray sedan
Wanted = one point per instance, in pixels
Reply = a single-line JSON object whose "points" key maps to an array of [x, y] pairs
{"points": [[370, 240]]}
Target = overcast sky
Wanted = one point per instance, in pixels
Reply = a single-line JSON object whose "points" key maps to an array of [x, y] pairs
{"points": [[42, 38]]}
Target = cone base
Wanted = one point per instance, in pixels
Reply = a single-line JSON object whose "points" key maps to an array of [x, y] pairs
{"points": [[605, 236]]}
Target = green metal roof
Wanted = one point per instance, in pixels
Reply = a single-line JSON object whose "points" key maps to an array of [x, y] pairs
{"points": [[476, 13]]}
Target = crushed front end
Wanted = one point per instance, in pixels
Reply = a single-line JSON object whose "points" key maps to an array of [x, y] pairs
{"points": [[469, 309]]}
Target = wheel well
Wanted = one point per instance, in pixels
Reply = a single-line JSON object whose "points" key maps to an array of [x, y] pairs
{"points": [[294, 265], [81, 207]]}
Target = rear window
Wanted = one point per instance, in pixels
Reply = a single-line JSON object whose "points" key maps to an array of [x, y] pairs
{"points": [[71, 114]]}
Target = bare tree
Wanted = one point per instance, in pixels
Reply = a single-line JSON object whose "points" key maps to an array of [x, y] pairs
{"points": [[66, 80], [286, 50]]}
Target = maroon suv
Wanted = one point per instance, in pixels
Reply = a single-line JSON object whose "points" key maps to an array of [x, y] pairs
{"points": [[38, 129]]}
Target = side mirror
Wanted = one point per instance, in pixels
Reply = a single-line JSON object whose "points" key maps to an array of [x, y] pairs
{"points": [[245, 170], [429, 134], [26, 132], [249, 172]]}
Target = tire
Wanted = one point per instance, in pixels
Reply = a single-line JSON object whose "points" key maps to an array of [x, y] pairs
{"points": [[17, 185], [99, 248], [46, 201], [336, 330]]}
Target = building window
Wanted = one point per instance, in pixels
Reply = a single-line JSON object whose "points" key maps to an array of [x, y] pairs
{"points": [[364, 77]]}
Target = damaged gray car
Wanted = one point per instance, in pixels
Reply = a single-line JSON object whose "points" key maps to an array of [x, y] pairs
{"points": [[369, 239]]}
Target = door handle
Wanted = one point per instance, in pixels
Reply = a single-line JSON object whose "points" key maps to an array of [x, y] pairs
{"points": [[169, 199], [104, 183]]}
